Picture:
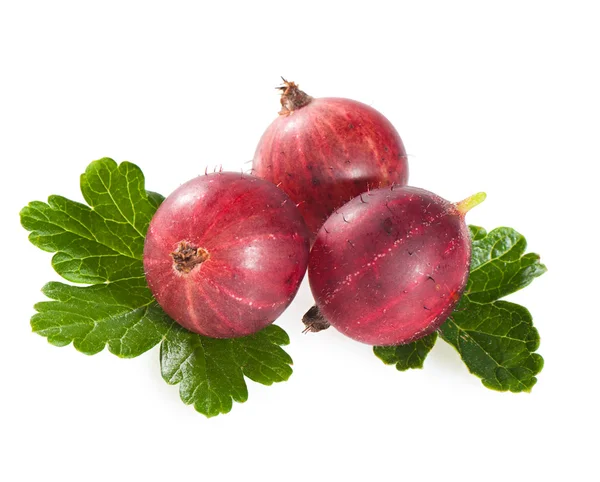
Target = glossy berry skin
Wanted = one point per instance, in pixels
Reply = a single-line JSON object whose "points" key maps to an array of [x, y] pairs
{"points": [[328, 151], [389, 266], [225, 254]]}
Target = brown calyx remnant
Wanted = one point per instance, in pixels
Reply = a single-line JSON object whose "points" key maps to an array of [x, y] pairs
{"points": [[292, 98], [187, 256], [314, 321]]}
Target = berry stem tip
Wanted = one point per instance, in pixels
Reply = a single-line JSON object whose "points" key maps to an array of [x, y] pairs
{"points": [[466, 205]]}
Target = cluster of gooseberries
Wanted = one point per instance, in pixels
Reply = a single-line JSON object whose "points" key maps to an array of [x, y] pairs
{"points": [[225, 253]]}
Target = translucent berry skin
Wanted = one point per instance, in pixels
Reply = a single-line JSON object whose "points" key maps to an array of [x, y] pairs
{"points": [[254, 246], [389, 266], [327, 152]]}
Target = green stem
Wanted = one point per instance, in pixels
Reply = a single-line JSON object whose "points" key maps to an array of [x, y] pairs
{"points": [[466, 205]]}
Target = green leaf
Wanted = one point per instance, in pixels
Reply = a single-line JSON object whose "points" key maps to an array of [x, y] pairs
{"points": [[499, 266], [210, 372], [411, 355], [101, 244], [477, 233], [497, 342], [155, 199], [122, 315], [495, 339], [261, 357]]}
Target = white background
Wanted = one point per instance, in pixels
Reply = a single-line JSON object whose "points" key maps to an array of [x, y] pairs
{"points": [[495, 96]]}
